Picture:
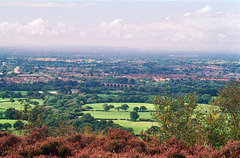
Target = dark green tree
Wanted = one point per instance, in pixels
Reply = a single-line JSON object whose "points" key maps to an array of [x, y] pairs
{"points": [[12, 113], [118, 108], [124, 107], [1, 126], [134, 115], [18, 125], [136, 109], [143, 108], [12, 100], [1, 114], [106, 107], [7, 125]]}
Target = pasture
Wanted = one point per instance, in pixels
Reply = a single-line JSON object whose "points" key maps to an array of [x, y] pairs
{"points": [[23, 92], [116, 115], [5, 103], [137, 126], [8, 121], [99, 106]]}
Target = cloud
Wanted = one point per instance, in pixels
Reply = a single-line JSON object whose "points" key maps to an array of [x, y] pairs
{"points": [[38, 4], [201, 29], [206, 9], [187, 14], [36, 27], [116, 22], [36, 32], [89, 4]]}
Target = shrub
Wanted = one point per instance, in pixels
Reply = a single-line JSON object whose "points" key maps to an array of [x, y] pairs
{"points": [[7, 142], [111, 106], [88, 107], [231, 149], [18, 125]]}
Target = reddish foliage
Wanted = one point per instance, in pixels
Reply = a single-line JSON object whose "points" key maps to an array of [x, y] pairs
{"points": [[119, 140], [37, 135], [2, 134], [231, 149], [116, 143], [8, 142]]}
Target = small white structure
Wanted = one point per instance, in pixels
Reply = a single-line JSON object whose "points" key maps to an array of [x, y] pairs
{"points": [[17, 70], [53, 92]]}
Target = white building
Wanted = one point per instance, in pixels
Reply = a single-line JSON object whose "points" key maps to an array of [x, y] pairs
{"points": [[17, 70]]}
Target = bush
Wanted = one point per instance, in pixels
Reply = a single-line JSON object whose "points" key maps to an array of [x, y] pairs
{"points": [[146, 120], [88, 107], [111, 106], [18, 125]]}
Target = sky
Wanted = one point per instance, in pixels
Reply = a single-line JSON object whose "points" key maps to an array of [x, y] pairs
{"points": [[192, 25]]}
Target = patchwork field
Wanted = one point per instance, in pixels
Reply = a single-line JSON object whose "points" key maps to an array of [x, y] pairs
{"points": [[115, 114], [137, 126]]}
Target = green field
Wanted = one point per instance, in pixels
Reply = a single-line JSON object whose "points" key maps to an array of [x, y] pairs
{"points": [[23, 92], [107, 95], [8, 121], [137, 126], [5, 103], [98, 106], [38, 100], [116, 115]]}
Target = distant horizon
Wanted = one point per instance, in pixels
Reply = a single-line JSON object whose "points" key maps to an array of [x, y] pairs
{"points": [[146, 25], [107, 50]]}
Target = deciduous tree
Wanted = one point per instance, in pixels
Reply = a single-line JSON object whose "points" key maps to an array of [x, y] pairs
{"points": [[124, 107], [143, 108], [134, 115], [136, 109], [229, 102]]}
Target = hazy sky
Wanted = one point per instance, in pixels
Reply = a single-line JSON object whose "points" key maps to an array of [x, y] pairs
{"points": [[167, 25]]}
